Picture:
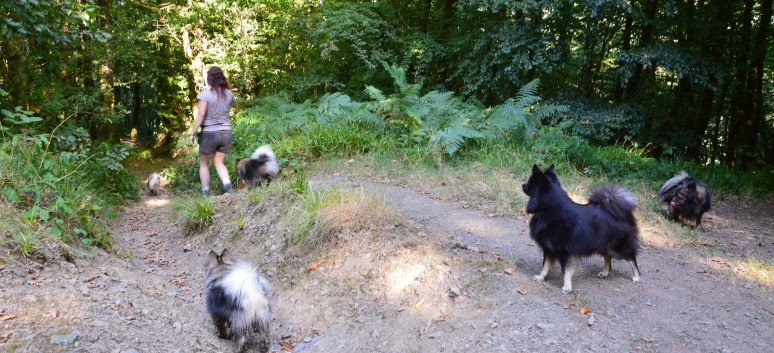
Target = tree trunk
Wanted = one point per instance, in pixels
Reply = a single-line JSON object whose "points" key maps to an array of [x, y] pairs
{"points": [[106, 73], [13, 51], [741, 96], [681, 119], [717, 149], [715, 48], [641, 73], [534, 20], [586, 78], [195, 67], [626, 45], [136, 106], [751, 132]]}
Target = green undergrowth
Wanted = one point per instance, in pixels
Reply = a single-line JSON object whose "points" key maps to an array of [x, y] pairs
{"points": [[408, 131], [58, 185]]}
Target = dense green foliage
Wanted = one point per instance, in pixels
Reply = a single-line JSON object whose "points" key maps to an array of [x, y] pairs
{"points": [[641, 70], [403, 125], [62, 181]]}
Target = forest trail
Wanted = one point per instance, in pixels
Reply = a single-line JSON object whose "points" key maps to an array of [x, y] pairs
{"points": [[461, 282]]}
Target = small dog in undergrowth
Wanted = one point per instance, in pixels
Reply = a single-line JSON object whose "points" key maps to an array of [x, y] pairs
{"points": [[685, 199], [568, 231], [154, 183], [261, 166], [236, 296]]}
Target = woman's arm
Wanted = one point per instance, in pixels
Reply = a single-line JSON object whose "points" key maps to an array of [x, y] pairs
{"points": [[200, 114]]}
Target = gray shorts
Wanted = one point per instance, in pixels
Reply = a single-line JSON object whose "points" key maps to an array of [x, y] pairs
{"points": [[215, 141]]}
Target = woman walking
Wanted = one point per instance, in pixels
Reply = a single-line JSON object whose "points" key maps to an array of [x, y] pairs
{"points": [[215, 137]]}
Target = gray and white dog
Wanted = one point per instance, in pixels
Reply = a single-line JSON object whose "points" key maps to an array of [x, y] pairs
{"points": [[154, 183], [236, 296], [261, 166]]}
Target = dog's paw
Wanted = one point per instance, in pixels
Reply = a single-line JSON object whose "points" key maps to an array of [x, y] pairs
{"points": [[635, 279], [603, 274], [538, 278], [566, 290]]}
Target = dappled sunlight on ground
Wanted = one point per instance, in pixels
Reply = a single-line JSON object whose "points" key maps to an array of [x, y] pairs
{"points": [[402, 276], [751, 269], [156, 202], [655, 236]]}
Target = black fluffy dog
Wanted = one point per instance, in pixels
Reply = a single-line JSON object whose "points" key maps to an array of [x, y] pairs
{"points": [[685, 199], [567, 231]]}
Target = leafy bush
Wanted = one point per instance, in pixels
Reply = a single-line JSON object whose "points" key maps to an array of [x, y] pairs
{"points": [[61, 182], [598, 121], [624, 163], [444, 123], [614, 162]]}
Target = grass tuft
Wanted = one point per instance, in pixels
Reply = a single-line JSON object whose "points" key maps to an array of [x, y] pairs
{"points": [[197, 213], [311, 230]]}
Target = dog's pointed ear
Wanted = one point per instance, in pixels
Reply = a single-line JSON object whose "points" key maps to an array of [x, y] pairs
{"points": [[212, 259], [225, 256], [536, 170], [551, 173], [691, 186]]}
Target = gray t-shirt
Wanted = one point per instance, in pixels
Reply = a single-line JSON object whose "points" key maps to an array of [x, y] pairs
{"points": [[216, 117]]}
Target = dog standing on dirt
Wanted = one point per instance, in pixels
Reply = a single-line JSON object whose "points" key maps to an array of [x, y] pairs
{"points": [[568, 231], [685, 199], [236, 296], [154, 183], [261, 166]]}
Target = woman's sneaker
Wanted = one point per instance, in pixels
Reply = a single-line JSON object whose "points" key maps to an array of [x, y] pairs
{"points": [[228, 188]]}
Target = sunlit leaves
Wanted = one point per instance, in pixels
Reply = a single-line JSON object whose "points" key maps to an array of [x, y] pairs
{"points": [[49, 21]]}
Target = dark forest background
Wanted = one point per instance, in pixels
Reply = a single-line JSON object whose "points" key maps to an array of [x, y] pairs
{"points": [[688, 78]]}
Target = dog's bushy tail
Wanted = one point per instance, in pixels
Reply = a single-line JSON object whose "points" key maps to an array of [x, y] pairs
{"points": [[667, 191], [268, 160], [250, 291], [615, 199]]}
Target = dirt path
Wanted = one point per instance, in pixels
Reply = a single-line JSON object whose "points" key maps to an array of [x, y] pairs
{"points": [[143, 298], [459, 281], [682, 304]]}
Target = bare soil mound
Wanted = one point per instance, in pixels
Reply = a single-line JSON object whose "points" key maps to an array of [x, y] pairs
{"points": [[440, 277]]}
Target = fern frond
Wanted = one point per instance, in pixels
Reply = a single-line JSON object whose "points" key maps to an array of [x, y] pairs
{"points": [[504, 118], [374, 93], [527, 94], [514, 116], [548, 110], [452, 137], [332, 107], [398, 74], [439, 100], [301, 114], [366, 112]]}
